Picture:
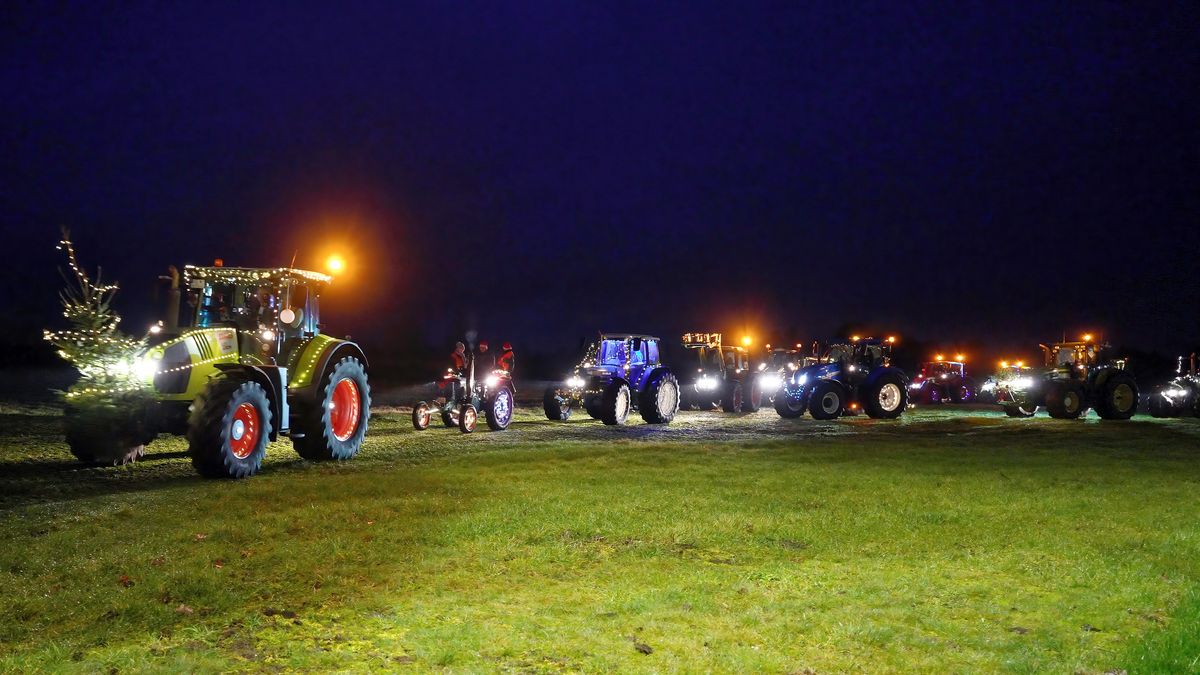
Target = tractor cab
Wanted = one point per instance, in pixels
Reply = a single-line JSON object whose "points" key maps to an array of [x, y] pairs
{"points": [[1077, 360]]}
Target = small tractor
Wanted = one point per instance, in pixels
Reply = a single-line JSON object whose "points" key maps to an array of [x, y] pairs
{"points": [[717, 374], [1077, 376], [249, 364], [462, 395], [618, 373], [1181, 396], [939, 381], [851, 376], [1009, 370]]}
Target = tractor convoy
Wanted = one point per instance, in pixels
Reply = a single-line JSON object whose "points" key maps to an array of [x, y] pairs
{"points": [[240, 359]]}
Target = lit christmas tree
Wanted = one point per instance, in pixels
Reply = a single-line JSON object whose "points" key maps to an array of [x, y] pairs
{"points": [[106, 408]]}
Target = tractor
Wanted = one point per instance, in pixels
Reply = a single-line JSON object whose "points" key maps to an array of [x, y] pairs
{"points": [[248, 364], [1076, 376], [1181, 396], [462, 395], [1008, 371], [939, 381], [618, 373], [718, 374], [851, 376]]}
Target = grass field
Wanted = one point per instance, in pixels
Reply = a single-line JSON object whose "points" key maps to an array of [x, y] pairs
{"points": [[949, 541]]}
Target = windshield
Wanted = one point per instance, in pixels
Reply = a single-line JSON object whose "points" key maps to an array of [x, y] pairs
{"points": [[707, 357], [612, 353], [939, 367]]}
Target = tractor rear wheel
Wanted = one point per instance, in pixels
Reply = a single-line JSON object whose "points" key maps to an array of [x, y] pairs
{"points": [[659, 400], [499, 411], [615, 403], [886, 397], [827, 401], [731, 400], [752, 399], [557, 408], [1064, 400], [230, 425], [421, 416], [334, 425], [1118, 397]]}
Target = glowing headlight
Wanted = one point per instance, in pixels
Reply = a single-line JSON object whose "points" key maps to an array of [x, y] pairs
{"points": [[575, 382], [944, 376], [268, 336], [492, 380], [1022, 383], [1175, 392], [801, 380], [915, 385], [144, 368], [769, 381], [706, 384], [989, 386]]}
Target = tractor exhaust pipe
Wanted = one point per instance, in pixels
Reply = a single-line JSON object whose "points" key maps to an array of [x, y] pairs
{"points": [[172, 319]]}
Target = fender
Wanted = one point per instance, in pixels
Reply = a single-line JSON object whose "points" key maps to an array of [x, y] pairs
{"points": [[270, 378], [313, 363], [880, 372]]}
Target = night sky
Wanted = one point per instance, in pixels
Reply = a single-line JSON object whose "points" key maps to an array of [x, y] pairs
{"points": [[996, 173]]}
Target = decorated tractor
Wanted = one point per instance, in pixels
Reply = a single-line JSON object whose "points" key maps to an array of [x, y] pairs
{"points": [[1009, 370], [1181, 396], [1076, 376], [248, 365], [462, 396], [941, 381], [779, 363], [618, 373], [714, 374], [851, 377]]}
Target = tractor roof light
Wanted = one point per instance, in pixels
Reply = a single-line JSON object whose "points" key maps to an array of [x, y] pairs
{"points": [[960, 357], [335, 264]]}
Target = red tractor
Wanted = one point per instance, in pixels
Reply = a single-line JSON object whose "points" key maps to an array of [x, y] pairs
{"points": [[941, 381]]}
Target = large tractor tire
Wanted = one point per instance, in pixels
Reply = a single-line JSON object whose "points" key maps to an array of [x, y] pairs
{"points": [[659, 400], [333, 426], [557, 408], [615, 403], [104, 436], [1161, 407], [885, 397], [966, 391], [827, 401], [499, 411], [1065, 400], [229, 428], [732, 397], [788, 406], [1118, 399], [752, 396], [421, 416], [448, 420]]}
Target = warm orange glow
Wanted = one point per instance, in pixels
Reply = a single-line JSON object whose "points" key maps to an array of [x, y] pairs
{"points": [[1004, 364], [854, 338], [747, 341], [938, 357], [335, 264], [892, 339], [1087, 337], [1020, 364], [960, 357]]}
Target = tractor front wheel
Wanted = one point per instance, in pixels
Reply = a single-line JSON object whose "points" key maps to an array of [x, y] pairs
{"points": [[1018, 410], [659, 401], [615, 403], [334, 425], [752, 399], [827, 401], [468, 417], [229, 428], [731, 401], [788, 406], [1064, 400], [421, 416]]}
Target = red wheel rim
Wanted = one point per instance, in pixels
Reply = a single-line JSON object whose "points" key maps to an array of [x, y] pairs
{"points": [[244, 431], [344, 409]]}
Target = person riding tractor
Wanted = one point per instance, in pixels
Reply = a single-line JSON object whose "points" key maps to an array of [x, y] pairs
{"points": [[461, 396]]}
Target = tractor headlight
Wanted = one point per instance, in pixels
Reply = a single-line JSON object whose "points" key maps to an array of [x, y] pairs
{"points": [[144, 368], [801, 380], [1174, 393], [1022, 383], [268, 335], [706, 384], [915, 385], [989, 386], [575, 382], [769, 381], [492, 381]]}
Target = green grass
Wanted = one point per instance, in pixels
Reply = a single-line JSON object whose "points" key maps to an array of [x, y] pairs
{"points": [[950, 541]]}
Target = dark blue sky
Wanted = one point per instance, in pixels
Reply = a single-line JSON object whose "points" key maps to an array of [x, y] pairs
{"points": [[1000, 172]]}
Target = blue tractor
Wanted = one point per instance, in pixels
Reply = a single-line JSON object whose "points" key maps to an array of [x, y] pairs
{"points": [[849, 377], [618, 373]]}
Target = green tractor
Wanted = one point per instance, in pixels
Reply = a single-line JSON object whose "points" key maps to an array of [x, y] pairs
{"points": [[248, 365]]}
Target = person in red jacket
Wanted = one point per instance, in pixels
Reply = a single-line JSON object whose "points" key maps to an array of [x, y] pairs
{"points": [[506, 360], [458, 358]]}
